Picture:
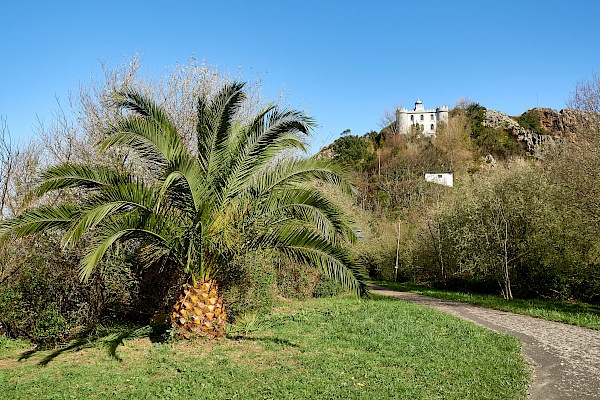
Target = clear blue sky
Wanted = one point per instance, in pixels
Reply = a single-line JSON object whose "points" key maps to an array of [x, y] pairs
{"points": [[345, 62]]}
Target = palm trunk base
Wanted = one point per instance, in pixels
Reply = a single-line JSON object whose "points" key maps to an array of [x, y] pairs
{"points": [[199, 311]]}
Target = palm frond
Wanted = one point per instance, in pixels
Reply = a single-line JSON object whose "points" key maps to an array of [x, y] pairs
{"points": [[303, 245], [85, 176], [185, 180], [309, 208], [38, 220], [123, 228], [139, 104], [288, 174], [146, 138], [111, 201], [271, 132], [215, 118]]}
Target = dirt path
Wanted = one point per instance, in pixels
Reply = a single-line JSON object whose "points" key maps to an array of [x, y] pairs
{"points": [[565, 358]]}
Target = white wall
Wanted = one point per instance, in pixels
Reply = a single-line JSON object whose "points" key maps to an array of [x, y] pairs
{"points": [[442, 178]]}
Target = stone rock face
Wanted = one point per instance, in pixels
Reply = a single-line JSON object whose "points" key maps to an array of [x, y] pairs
{"points": [[532, 140], [557, 124]]}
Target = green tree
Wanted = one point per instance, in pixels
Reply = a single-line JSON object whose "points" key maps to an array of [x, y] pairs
{"points": [[352, 150], [196, 209]]}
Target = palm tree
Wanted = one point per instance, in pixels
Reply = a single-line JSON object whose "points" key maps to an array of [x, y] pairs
{"points": [[196, 208]]}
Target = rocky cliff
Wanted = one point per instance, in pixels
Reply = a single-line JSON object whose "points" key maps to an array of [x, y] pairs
{"points": [[551, 125]]}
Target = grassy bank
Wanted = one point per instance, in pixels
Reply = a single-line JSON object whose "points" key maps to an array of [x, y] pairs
{"points": [[327, 348], [580, 314]]}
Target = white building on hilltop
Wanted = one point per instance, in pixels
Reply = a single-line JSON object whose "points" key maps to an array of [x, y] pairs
{"points": [[427, 120]]}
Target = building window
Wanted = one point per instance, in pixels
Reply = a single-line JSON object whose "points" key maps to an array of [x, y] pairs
{"points": [[432, 127], [432, 117], [422, 117], [412, 117]]}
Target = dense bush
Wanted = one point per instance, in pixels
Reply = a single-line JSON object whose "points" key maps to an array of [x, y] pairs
{"points": [[507, 231], [253, 282], [496, 142], [531, 120], [249, 284], [352, 150], [43, 300]]}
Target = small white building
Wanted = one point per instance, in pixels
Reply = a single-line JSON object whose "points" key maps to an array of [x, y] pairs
{"points": [[441, 178], [427, 120]]}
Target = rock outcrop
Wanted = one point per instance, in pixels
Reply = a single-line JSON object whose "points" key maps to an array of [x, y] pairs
{"points": [[532, 140], [555, 125], [558, 123]]}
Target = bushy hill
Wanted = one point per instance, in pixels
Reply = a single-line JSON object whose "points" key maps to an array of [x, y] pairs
{"points": [[522, 217]]}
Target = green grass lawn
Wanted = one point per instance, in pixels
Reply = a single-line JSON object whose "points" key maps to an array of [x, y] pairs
{"points": [[580, 314], [341, 348]]}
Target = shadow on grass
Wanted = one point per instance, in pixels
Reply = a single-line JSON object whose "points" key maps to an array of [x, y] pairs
{"points": [[276, 340], [93, 337]]}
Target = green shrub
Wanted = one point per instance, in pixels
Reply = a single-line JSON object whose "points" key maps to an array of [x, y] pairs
{"points": [[252, 283], [491, 141], [296, 280], [43, 300], [531, 120], [327, 287], [498, 143], [25, 314], [249, 284], [353, 151]]}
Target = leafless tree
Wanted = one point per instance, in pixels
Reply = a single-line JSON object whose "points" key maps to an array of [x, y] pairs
{"points": [[80, 121], [573, 164], [586, 95], [463, 103], [18, 168], [388, 119], [7, 159]]}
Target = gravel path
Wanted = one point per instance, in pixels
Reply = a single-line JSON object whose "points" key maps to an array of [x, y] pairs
{"points": [[565, 358]]}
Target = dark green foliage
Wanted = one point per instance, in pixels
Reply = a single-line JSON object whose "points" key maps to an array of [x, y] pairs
{"points": [[252, 282], [531, 120], [296, 281], [327, 287], [25, 314], [353, 151], [476, 115], [249, 284], [378, 138], [43, 300], [378, 261], [496, 142]]}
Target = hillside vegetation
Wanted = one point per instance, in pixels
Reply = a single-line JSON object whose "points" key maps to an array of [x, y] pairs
{"points": [[521, 219]]}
